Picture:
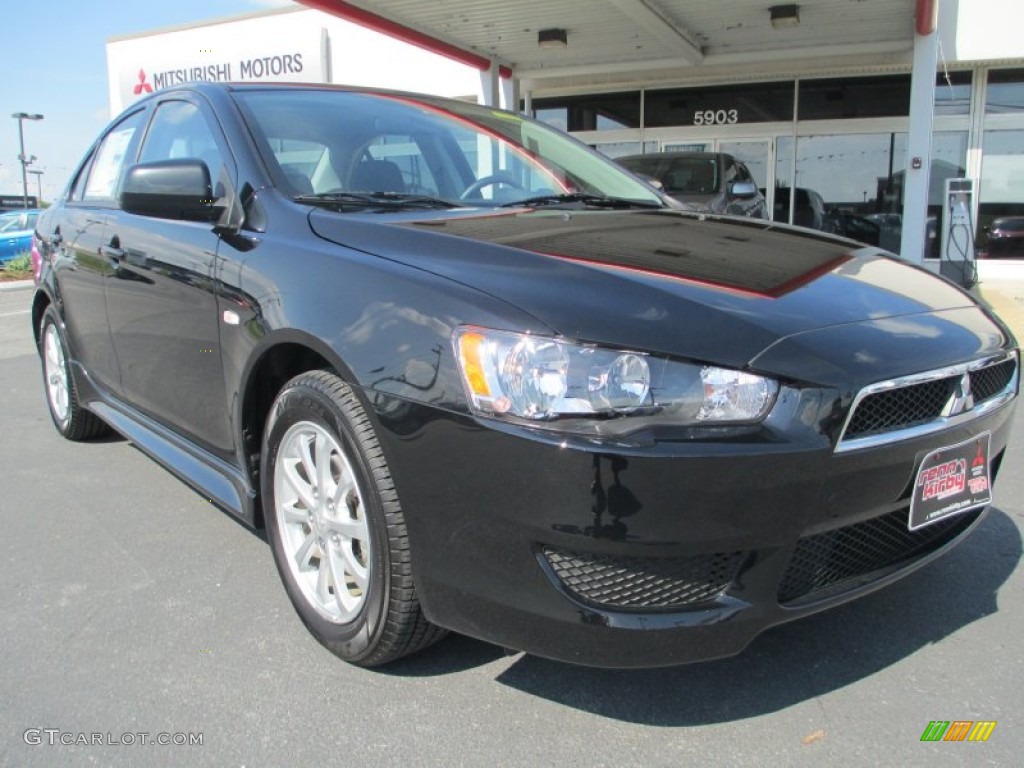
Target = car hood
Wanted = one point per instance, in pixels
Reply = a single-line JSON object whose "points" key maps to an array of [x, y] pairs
{"points": [[712, 289]]}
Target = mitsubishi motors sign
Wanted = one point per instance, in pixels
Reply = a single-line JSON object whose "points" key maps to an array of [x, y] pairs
{"points": [[279, 47]]}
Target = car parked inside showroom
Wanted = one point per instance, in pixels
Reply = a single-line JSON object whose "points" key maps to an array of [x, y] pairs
{"points": [[471, 375], [1005, 238], [16, 229], [714, 182]]}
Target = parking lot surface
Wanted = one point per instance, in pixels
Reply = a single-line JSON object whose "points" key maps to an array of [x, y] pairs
{"points": [[131, 606]]}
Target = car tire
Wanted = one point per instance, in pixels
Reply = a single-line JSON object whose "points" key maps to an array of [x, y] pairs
{"points": [[335, 524], [72, 420]]}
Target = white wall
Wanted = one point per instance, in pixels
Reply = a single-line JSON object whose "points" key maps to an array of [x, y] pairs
{"points": [[981, 30], [297, 45]]}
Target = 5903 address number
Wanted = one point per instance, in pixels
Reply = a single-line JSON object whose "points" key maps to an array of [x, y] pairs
{"points": [[716, 117]]}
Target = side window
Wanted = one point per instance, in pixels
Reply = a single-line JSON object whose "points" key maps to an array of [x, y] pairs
{"points": [[179, 130], [77, 189], [101, 184], [743, 174], [731, 172]]}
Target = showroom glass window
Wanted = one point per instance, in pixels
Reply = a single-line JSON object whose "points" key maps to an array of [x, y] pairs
{"points": [[179, 130], [1005, 93], [719, 105], [855, 97], [1001, 192], [953, 94], [1002, 178], [591, 112], [108, 162]]}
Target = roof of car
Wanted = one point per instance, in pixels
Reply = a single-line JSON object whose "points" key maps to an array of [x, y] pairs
{"points": [[202, 86], [675, 156]]}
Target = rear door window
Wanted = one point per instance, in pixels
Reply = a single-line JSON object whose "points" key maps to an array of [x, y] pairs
{"points": [[105, 173]]}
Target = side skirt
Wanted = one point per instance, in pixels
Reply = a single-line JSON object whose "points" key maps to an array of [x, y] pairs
{"points": [[223, 484]]}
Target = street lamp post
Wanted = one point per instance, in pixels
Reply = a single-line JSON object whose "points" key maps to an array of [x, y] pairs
{"points": [[39, 187], [21, 117]]}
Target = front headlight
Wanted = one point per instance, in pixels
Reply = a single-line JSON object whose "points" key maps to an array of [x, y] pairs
{"points": [[537, 378]]}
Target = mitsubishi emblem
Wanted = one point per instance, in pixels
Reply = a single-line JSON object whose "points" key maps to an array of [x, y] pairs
{"points": [[962, 400]]}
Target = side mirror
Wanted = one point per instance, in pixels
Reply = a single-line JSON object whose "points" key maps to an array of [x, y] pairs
{"points": [[170, 189], [743, 189]]}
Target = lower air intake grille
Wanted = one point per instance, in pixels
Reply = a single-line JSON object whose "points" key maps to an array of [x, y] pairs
{"points": [[644, 583], [826, 560]]}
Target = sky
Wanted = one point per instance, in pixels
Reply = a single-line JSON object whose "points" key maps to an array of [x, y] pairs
{"points": [[56, 65]]}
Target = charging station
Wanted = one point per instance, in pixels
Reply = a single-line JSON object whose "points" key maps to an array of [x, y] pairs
{"points": [[956, 255]]}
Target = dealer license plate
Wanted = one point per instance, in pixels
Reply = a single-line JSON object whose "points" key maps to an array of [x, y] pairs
{"points": [[951, 480]]}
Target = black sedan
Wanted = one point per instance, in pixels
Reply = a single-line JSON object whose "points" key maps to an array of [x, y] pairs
{"points": [[472, 376]]}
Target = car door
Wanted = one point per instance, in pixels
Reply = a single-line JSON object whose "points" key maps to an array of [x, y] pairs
{"points": [[77, 233], [162, 299]]}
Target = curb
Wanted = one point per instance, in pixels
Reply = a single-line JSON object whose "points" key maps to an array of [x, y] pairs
{"points": [[16, 285]]}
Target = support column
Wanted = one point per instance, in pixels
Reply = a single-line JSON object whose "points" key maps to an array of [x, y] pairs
{"points": [[510, 93], [919, 141], [490, 85]]}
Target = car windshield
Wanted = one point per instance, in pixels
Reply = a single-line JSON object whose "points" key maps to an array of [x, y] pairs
{"points": [[339, 145], [679, 176]]}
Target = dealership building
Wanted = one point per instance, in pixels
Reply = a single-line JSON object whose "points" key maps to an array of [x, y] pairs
{"points": [[866, 108]]}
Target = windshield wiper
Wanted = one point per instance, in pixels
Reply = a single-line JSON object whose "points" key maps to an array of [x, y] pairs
{"points": [[379, 200], [597, 201]]}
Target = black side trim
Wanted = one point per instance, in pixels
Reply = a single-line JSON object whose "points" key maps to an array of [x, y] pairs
{"points": [[223, 484]]}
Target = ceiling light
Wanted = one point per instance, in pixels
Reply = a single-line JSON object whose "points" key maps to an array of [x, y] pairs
{"points": [[552, 38], [785, 16]]}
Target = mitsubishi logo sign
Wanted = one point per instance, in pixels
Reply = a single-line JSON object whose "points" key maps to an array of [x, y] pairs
{"points": [[962, 400], [142, 86]]}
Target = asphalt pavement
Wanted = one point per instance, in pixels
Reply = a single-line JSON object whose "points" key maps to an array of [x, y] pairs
{"points": [[130, 606]]}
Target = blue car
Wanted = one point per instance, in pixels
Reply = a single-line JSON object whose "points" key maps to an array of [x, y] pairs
{"points": [[16, 229]]}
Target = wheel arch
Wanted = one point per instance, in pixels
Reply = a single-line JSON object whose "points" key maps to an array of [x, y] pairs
{"points": [[40, 302], [279, 358]]}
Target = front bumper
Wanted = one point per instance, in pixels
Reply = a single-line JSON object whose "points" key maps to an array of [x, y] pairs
{"points": [[651, 557]]}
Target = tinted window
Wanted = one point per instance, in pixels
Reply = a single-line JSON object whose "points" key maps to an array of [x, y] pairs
{"points": [[109, 160], [1005, 91], [697, 175], [851, 97], [179, 130], [720, 105], [590, 112], [953, 93]]}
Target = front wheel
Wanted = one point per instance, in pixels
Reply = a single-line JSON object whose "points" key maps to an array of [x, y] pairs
{"points": [[335, 524]]}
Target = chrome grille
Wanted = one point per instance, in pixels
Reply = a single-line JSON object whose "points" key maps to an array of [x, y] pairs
{"points": [[903, 407], [927, 402], [990, 381]]}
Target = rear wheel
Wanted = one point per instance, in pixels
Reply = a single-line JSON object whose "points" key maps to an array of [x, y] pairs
{"points": [[336, 527], [70, 418]]}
